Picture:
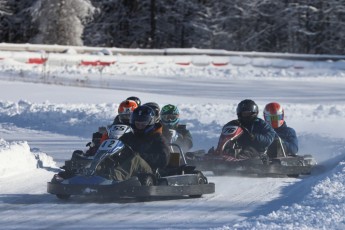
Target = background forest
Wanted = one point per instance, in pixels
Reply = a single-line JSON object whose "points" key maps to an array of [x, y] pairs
{"points": [[293, 26]]}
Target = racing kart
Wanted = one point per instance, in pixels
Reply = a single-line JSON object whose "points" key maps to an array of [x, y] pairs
{"points": [[229, 158], [177, 179]]}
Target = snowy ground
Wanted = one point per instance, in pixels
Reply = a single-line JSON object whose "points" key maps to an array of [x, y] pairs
{"points": [[41, 124]]}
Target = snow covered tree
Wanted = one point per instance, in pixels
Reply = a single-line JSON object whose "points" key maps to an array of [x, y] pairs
{"points": [[15, 23], [4, 22], [294, 26], [110, 26], [331, 36], [3, 7], [61, 21]]}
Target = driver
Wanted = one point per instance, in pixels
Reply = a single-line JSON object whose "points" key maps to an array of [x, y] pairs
{"points": [[146, 147], [287, 143], [257, 135], [124, 113]]}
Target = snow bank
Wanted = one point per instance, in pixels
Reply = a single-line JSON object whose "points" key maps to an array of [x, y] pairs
{"points": [[323, 208], [202, 120], [17, 158], [77, 119]]}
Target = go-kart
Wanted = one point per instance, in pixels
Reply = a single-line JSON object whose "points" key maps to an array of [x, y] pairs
{"points": [[177, 179], [230, 158]]}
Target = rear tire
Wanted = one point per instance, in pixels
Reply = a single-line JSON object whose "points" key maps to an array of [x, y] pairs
{"points": [[201, 179]]}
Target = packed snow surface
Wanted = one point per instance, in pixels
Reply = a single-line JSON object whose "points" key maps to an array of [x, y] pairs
{"points": [[46, 112]]}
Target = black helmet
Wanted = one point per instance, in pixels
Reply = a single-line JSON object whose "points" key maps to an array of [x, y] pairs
{"points": [[156, 109], [136, 99], [142, 120], [247, 111]]}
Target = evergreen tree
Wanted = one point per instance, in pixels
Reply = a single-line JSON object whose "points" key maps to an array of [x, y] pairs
{"points": [[294, 26]]}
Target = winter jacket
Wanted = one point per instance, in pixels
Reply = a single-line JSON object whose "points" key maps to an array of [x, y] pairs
{"points": [[117, 120], [184, 138], [289, 138], [263, 135], [152, 147]]}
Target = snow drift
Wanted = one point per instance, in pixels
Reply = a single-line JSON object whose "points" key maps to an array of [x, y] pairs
{"points": [[17, 158]]}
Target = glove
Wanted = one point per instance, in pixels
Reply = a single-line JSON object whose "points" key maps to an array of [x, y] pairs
{"points": [[251, 135], [173, 135], [90, 144]]}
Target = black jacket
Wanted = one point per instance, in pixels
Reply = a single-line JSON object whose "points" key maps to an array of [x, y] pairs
{"points": [[152, 147]]}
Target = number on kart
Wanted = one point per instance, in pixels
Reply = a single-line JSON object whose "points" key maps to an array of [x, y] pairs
{"points": [[229, 130], [118, 128], [108, 144]]}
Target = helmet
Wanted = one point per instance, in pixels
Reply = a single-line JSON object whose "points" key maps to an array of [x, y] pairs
{"points": [[247, 111], [170, 115], [155, 107], [136, 99], [125, 110], [142, 120], [274, 114]]}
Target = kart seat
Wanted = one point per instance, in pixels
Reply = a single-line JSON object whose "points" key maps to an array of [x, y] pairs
{"points": [[174, 161]]}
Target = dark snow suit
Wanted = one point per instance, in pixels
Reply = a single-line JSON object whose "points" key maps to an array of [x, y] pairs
{"points": [[289, 139], [263, 135], [148, 152], [257, 141]]}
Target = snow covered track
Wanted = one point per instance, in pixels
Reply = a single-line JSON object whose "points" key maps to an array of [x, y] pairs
{"points": [[53, 119]]}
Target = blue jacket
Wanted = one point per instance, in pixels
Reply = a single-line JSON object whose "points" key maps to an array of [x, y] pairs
{"points": [[289, 138], [263, 133]]}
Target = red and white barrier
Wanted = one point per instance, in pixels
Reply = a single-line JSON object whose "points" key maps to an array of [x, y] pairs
{"points": [[37, 61], [96, 63], [44, 55]]}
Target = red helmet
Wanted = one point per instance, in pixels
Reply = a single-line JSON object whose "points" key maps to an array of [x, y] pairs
{"points": [[274, 114], [125, 110]]}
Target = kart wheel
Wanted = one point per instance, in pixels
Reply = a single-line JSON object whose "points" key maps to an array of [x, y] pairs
{"points": [[201, 179], [146, 180], [63, 196]]}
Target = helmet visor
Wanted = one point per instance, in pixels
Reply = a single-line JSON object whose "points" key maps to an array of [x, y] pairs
{"points": [[124, 117], [170, 117], [273, 118], [140, 125], [247, 114]]}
